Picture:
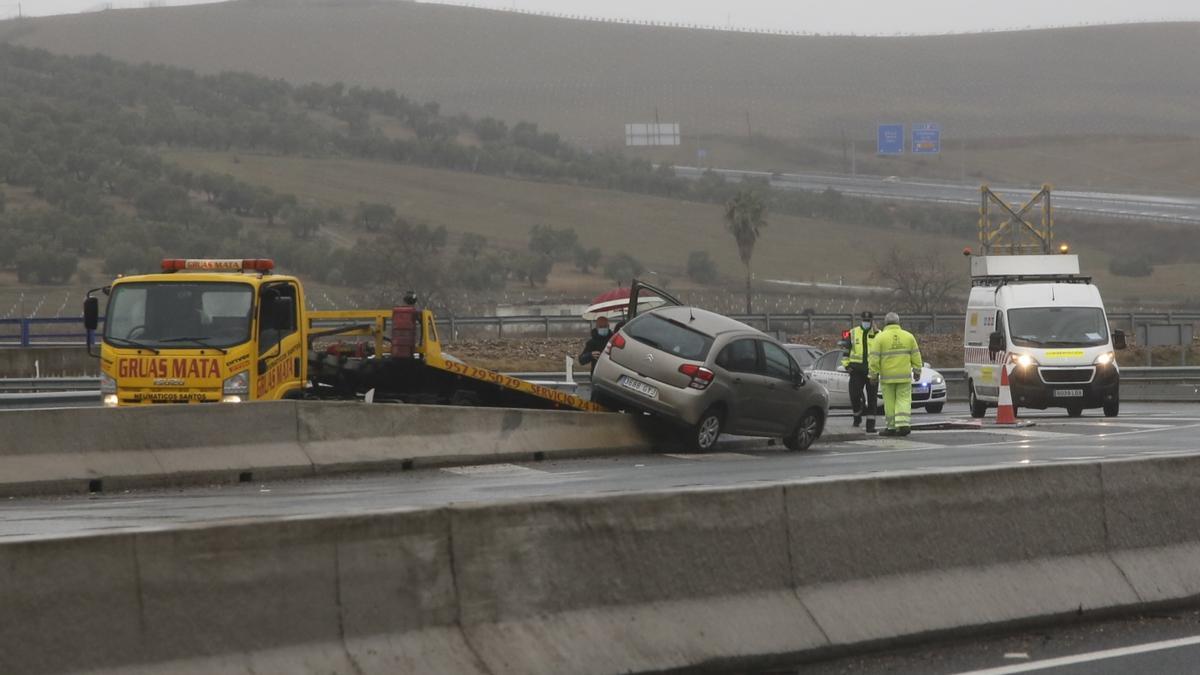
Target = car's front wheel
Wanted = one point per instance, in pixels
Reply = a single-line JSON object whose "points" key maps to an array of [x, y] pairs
{"points": [[702, 436], [935, 407], [807, 431], [1112, 408]]}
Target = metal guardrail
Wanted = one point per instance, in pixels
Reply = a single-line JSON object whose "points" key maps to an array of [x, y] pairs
{"points": [[43, 384]]}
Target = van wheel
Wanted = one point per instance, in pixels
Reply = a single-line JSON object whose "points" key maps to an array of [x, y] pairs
{"points": [[703, 435], [978, 408], [1075, 411], [1112, 409], [935, 407], [807, 431]]}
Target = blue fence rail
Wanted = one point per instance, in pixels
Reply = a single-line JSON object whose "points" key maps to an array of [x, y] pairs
{"points": [[33, 332], [48, 332]]}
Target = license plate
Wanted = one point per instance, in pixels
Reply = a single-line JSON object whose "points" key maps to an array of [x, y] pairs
{"points": [[638, 386], [1068, 393]]}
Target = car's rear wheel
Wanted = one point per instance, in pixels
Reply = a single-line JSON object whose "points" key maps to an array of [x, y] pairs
{"points": [[702, 436], [807, 431], [978, 408], [935, 407]]}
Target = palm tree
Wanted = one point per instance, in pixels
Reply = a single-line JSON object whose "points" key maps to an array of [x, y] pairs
{"points": [[745, 217]]}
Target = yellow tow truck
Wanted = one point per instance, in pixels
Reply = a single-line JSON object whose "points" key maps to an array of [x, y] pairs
{"points": [[213, 331]]}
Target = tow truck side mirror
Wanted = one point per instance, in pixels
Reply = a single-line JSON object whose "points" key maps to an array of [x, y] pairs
{"points": [[91, 313], [996, 343], [1119, 342], [279, 313]]}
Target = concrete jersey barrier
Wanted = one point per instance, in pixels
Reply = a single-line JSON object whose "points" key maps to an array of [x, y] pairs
{"points": [[611, 584], [54, 451]]}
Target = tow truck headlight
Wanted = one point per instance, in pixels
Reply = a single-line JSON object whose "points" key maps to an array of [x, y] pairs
{"points": [[1023, 360], [1105, 359], [108, 390], [236, 388]]}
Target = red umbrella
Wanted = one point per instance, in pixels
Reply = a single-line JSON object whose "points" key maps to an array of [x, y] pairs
{"points": [[615, 303]]}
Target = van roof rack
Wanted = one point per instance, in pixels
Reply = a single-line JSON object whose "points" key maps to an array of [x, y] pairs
{"points": [[1005, 279]]}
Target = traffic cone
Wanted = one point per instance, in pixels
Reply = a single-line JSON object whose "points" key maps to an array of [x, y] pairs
{"points": [[1004, 409]]}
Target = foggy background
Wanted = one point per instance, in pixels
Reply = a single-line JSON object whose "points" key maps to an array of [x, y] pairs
{"points": [[815, 16]]}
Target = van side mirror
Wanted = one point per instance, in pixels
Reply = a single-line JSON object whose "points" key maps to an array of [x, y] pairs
{"points": [[996, 343], [1119, 342], [91, 313]]}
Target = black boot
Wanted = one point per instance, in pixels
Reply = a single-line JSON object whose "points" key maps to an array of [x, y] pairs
{"points": [[889, 432], [857, 420], [870, 425], [903, 431]]}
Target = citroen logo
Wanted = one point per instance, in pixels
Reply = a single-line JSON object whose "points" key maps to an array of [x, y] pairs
{"points": [[650, 358]]}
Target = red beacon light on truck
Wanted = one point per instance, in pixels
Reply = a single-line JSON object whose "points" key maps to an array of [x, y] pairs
{"points": [[260, 265]]}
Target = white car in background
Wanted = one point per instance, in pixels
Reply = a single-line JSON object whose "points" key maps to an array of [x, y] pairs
{"points": [[928, 393]]}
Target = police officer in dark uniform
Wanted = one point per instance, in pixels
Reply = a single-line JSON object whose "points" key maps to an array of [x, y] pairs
{"points": [[863, 392]]}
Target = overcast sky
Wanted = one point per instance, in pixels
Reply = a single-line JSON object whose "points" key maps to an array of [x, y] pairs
{"points": [[820, 16]]}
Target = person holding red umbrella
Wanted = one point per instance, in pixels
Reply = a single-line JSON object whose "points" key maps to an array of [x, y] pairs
{"points": [[595, 343]]}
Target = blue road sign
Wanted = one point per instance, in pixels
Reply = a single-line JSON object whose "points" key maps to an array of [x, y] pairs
{"points": [[926, 139], [890, 140]]}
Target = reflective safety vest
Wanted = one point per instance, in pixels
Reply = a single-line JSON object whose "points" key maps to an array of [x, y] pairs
{"points": [[858, 340], [894, 355]]}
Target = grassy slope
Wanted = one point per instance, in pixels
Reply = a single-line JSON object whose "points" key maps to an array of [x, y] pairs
{"points": [[659, 231], [587, 79]]}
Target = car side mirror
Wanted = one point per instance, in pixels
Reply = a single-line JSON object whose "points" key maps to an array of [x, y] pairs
{"points": [[996, 343], [1119, 342], [91, 313], [798, 378]]}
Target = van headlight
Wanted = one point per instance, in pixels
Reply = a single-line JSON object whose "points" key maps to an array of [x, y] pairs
{"points": [[236, 387], [1023, 360], [1105, 359]]}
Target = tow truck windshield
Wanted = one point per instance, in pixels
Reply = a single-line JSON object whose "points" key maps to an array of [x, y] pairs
{"points": [[179, 315], [1058, 327]]}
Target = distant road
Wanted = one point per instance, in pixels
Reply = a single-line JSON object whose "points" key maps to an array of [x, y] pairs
{"points": [[1180, 210]]}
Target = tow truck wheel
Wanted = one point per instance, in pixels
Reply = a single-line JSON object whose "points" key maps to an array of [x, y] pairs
{"points": [[1075, 411], [1112, 408], [703, 435], [807, 430], [978, 408]]}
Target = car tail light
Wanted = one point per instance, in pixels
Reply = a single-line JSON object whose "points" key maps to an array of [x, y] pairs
{"points": [[617, 341], [701, 377]]}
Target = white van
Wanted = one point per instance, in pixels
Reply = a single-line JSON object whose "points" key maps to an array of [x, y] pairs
{"points": [[1038, 314]]}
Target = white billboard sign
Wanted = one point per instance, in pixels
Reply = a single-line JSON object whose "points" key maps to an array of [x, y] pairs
{"points": [[651, 134]]}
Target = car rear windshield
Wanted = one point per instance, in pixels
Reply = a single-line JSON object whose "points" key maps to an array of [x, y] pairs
{"points": [[670, 337]]}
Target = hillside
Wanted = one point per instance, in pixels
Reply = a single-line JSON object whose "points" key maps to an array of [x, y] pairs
{"points": [[585, 80]]}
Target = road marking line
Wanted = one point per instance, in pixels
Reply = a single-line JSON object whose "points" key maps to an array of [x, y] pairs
{"points": [[714, 457], [896, 444], [1087, 658], [494, 470]]}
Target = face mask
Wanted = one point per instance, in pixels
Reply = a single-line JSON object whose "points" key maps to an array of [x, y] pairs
{"points": [[866, 325], [602, 332]]}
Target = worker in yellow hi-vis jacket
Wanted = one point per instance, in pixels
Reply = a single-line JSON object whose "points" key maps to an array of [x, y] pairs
{"points": [[895, 363]]}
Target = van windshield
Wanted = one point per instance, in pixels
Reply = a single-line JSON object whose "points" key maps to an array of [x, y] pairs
{"points": [[668, 336], [1058, 327]]}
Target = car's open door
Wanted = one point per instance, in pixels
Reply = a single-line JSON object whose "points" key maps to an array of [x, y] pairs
{"points": [[648, 297]]}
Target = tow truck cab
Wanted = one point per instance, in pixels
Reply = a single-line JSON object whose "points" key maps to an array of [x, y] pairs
{"points": [[201, 331], [1036, 316]]}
